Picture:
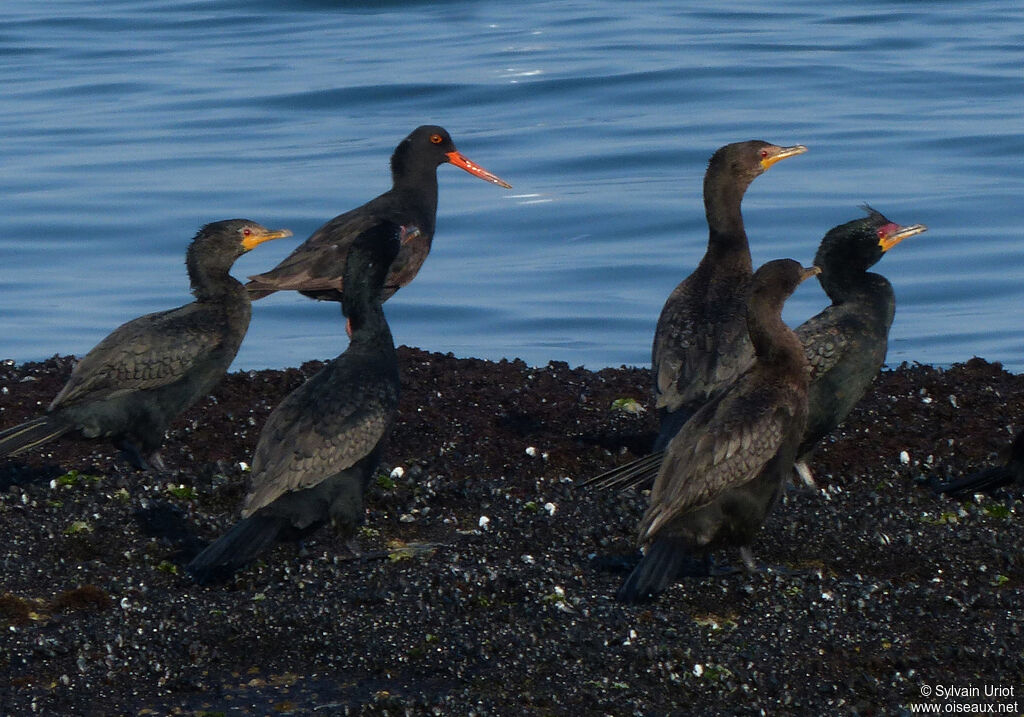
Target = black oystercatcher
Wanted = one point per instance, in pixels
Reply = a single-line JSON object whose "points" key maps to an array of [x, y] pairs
{"points": [[316, 267]]}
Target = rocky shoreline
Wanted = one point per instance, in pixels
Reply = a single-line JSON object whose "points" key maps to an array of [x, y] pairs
{"points": [[476, 589]]}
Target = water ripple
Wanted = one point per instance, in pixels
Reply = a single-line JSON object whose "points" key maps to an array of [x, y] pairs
{"points": [[128, 124]]}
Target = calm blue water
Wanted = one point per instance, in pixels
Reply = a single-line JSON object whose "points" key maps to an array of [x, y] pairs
{"points": [[126, 125]]}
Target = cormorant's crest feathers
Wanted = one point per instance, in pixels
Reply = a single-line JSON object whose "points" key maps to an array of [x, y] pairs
{"points": [[874, 213], [206, 229]]}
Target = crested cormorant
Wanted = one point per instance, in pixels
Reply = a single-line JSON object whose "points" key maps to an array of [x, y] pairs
{"points": [[1011, 472], [143, 375], [724, 470], [701, 343], [316, 266], [321, 445], [846, 343]]}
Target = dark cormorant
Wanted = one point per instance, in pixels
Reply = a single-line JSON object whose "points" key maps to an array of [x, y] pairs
{"points": [[846, 343], [316, 267], [1011, 472], [143, 375], [701, 343], [321, 445], [724, 470]]}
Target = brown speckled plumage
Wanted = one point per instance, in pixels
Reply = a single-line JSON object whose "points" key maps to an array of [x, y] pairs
{"points": [[722, 472], [701, 343]]}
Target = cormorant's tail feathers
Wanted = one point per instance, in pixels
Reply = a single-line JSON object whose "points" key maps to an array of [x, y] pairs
{"points": [[22, 437], [236, 548], [983, 481], [639, 472], [656, 571]]}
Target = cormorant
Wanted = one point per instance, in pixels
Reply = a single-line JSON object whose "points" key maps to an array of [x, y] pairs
{"points": [[1011, 472], [149, 370], [846, 343], [723, 471], [316, 267], [701, 343], [321, 445]]}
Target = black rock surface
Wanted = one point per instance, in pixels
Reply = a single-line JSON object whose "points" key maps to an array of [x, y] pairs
{"points": [[889, 587]]}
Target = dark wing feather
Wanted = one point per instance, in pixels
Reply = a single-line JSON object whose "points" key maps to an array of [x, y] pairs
{"points": [[701, 343], [724, 445], [844, 354], [316, 432], [318, 263], [826, 341], [146, 353]]}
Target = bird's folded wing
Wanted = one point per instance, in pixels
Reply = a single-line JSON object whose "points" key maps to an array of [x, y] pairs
{"points": [[315, 433], [825, 343], [709, 457], [317, 263], [146, 353]]}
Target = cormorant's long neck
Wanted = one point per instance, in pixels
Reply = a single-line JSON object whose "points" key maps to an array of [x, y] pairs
{"points": [[723, 195], [367, 323], [871, 293], [774, 342], [210, 277]]}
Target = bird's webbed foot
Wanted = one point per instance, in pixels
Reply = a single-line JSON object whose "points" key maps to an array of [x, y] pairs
{"points": [[133, 454]]}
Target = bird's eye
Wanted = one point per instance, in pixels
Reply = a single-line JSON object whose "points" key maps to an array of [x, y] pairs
{"points": [[247, 232], [436, 139], [764, 153]]}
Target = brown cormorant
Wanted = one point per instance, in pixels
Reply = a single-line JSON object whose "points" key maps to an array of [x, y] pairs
{"points": [[316, 267], [143, 375], [321, 445], [724, 470], [701, 343], [845, 344]]}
